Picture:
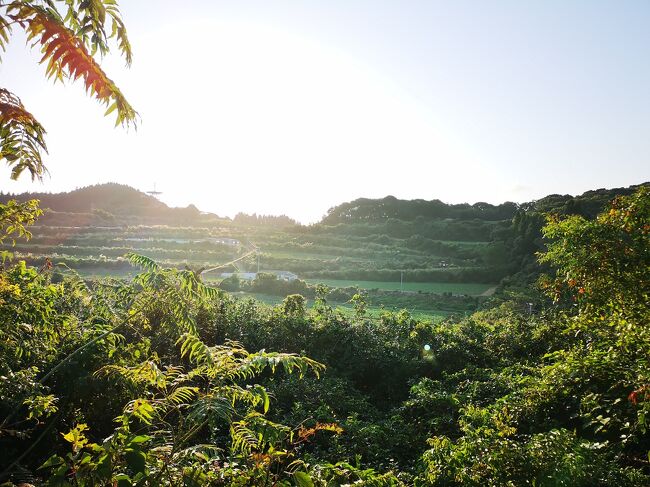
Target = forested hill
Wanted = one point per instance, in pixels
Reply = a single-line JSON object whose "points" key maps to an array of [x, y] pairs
{"points": [[387, 240], [109, 202], [364, 210], [120, 203], [119, 200], [112, 197], [477, 242], [375, 210]]}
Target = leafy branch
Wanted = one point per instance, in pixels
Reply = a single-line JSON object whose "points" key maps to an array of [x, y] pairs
{"points": [[22, 137], [68, 44]]}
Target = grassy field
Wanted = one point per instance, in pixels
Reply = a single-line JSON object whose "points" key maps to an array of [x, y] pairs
{"points": [[373, 311], [431, 287]]}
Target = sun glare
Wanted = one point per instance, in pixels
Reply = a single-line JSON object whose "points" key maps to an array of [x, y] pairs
{"points": [[242, 116], [268, 118]]}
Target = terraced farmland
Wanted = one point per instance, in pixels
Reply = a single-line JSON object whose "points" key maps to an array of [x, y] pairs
{"points": [[99, 250]]}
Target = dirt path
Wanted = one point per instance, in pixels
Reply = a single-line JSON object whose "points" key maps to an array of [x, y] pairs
{"points": [[489, 292]]}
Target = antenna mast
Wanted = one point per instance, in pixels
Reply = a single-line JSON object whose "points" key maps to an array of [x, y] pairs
{"points": [[154, 193]]}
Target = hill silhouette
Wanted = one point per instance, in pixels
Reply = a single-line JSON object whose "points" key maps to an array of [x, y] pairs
{"points": [[365, 210], [112, 197], [105, 203], [119, 203]]}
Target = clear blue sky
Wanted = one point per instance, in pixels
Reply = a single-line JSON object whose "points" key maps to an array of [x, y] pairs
{"points": [[293, 107]]}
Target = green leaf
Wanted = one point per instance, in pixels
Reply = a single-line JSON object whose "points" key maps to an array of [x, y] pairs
{"points": [[104, 465], [111, 109], [123, 480], [136, 460], [139, 439], [303, 479], [53, 461], [265, 397]]}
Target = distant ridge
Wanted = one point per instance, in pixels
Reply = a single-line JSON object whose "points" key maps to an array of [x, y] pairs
{"points": [[365, 210], [120, 203], [113, 197], [108, 202]]}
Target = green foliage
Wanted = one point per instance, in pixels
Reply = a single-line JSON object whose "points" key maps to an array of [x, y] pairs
{"points": [[22, 138], [488, 454], [578, 416], [151, 381], [99, 338], [16, 217]]}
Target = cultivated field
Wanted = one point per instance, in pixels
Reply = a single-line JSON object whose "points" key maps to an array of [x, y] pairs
{"points": [[470, 289]]}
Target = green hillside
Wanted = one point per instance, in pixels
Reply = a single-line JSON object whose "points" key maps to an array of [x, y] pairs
{"points": [[385, 240], [440, 252]]}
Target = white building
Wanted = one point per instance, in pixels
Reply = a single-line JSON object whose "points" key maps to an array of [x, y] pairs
{"points": [[284, 275], [250, 276], [224, 241]]}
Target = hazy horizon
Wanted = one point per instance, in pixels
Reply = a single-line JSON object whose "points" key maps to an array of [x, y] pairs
{"points": [[284, 108], [232, 215]]}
